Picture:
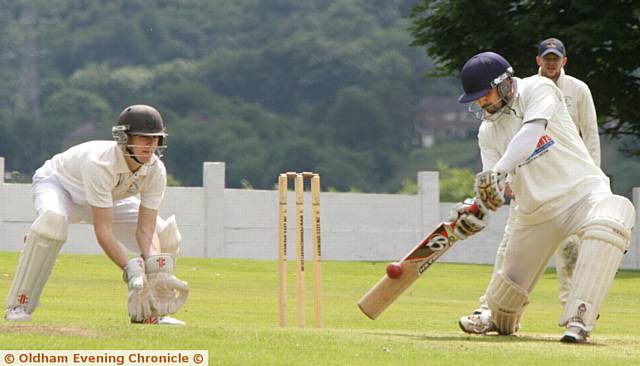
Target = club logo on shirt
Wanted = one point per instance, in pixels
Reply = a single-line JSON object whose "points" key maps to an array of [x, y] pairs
{"points": [[542, 147], [568, 101], [133, 188]]}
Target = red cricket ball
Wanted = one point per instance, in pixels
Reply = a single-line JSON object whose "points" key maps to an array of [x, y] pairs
{"points": [[394, 270]]}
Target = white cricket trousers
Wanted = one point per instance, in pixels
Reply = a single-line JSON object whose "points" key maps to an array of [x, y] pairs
{"points": [[530, 247], [49, 195]]}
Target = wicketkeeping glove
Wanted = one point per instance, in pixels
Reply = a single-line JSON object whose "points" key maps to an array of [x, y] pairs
{"points": [[468, 223], [489, 188], [169, 293], [140, 297]]}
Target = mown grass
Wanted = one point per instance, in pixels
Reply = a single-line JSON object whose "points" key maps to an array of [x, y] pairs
{"points": [[232, 312]]}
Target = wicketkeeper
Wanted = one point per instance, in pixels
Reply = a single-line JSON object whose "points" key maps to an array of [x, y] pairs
{"points": [[118, 187]]}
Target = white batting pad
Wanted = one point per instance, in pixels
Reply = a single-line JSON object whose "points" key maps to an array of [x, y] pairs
{"points": [[43, 243], [605, 238], [566, 257], [507, 302], [170, 237]]}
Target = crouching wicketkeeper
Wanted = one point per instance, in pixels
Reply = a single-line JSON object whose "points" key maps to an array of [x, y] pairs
{"points": [[118, 187]]}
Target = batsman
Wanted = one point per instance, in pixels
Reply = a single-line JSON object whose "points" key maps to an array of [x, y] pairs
{"points": [[118, 187], [528, 138]]}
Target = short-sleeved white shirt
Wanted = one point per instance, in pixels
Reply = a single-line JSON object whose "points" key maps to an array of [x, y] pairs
{"points": [[560, 171], [579, 102], [97, 174]]}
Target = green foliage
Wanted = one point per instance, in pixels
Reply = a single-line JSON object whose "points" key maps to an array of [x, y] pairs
{"points": [[172, 181], [603, 44], [455, 184], [409, 186], [266, 86], [16, 177]]}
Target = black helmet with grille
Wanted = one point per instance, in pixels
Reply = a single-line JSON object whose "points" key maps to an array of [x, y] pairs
{"points": [[140, 120]]}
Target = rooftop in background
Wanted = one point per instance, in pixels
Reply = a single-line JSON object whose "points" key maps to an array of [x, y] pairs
{"points": [[443, 117]]}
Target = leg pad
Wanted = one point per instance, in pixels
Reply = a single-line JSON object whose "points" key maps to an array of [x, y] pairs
{"points": [[507, 302], [605, 237], [42, 245]]}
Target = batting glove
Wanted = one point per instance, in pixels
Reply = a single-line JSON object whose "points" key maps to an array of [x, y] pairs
{"points": [[489, 188], [468, 223]]}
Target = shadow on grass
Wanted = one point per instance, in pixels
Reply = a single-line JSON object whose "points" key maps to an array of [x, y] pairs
{"points": [[489, 338], [49, 330]]}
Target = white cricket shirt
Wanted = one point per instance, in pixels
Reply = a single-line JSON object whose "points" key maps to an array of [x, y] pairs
{"points": [[560, 170], [579, 102], [97, 174]]}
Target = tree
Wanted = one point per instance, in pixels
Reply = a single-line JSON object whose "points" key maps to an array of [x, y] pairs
{"points": [[603, 45], [456, 184]]}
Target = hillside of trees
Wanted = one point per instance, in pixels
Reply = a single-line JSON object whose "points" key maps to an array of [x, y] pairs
{"points": [[266, 86]]}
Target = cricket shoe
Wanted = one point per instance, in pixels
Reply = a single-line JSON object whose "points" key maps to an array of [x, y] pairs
{"points": [[160, 320], [479, 322], [575, 333], [17, 314]]}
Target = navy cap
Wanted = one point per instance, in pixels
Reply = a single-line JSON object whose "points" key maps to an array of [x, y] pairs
{"points": [[481, 73], [551, 45]]}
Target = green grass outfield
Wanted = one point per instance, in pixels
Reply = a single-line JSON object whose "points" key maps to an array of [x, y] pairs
{"points": [[232, 312]]}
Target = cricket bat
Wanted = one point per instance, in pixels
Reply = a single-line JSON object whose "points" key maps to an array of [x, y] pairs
{"points": [[414, 264]]}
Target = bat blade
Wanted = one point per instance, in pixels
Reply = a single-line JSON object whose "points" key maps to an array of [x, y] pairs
{"points": [[387, 290]]}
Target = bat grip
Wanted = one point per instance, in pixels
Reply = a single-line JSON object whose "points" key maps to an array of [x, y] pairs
{"points": [[474, 209]]}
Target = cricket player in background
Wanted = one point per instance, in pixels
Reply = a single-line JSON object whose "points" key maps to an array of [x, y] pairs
{"points": [[528, 136], [551, 60], [118, 187], [577, 97]]}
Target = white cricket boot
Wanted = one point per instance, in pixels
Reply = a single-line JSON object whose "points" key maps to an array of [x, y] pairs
{"points": [[17, 314], [479, 322], [575, 333], [167, 320], [161, 320]]}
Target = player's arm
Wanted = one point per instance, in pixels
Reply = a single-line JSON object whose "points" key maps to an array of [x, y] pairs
{"points": [[490, 185], [103, 227], [541, 104], [151, 197], [588, 122], [98, 182], [521, 146], [146, 231]]}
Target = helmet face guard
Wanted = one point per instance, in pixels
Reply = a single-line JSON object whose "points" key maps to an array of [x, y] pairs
{"points": [[504, 85], [121, 136], [139, 120]]}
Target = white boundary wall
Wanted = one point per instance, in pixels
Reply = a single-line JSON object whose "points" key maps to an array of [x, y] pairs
{"points": [[217, 222]]}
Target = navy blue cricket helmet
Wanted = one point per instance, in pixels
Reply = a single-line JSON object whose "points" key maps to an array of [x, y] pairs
{"points": [[481, 73]]}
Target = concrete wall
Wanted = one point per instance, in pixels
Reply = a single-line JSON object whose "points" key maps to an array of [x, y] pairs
{"points": [[218, 222]]}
